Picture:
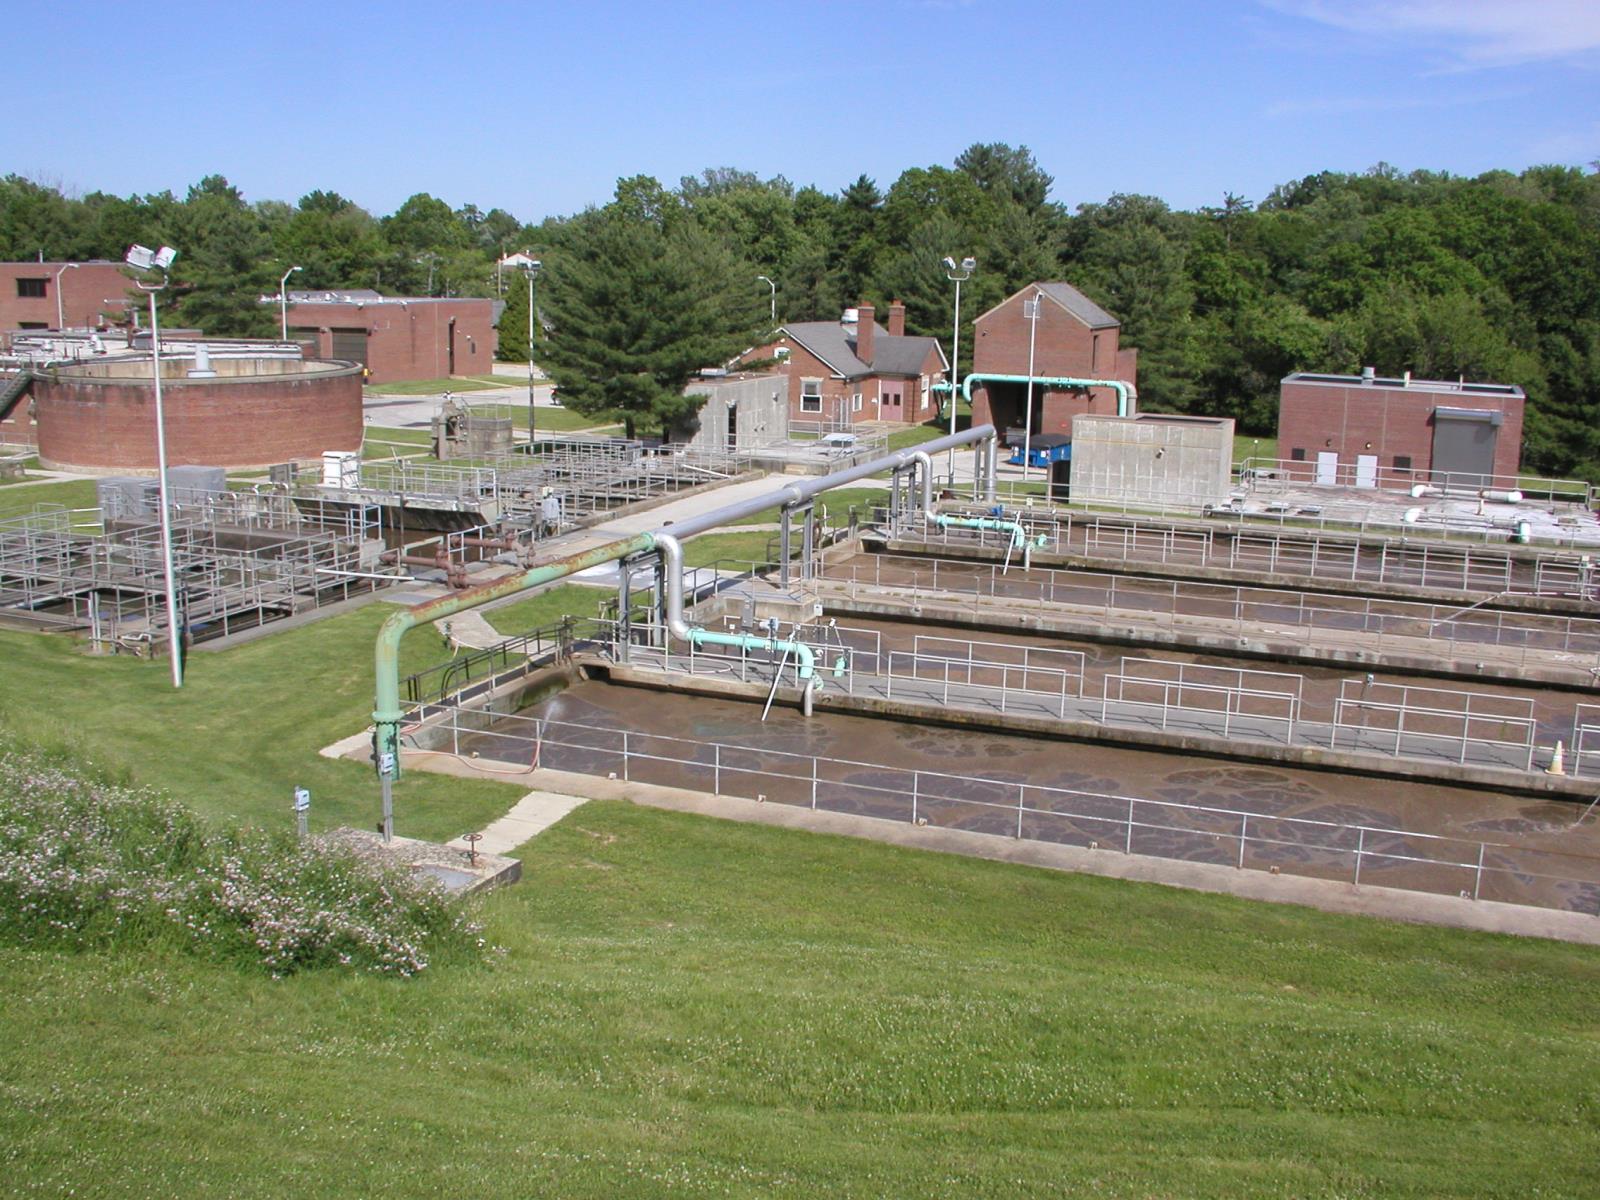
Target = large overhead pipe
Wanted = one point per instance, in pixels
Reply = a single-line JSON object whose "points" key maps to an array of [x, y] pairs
{"points": [[1127, 394], [387, 713]]}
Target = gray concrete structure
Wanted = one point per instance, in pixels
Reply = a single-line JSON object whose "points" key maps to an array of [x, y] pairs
{"points": [[740, 412], [1152, 458]]}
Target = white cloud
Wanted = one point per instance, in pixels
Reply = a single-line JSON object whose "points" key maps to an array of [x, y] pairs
{"points": [[1470, 33]]}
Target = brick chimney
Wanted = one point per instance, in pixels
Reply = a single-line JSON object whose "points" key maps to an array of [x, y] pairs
{"points": [[864, 331], [897, 319]]}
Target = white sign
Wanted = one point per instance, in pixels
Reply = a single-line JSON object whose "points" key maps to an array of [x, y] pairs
{"points": [[302, 800]]}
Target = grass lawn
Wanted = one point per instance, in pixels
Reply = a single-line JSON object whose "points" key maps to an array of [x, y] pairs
{"points": [[545, 608], [1246, 445], [838, 503], [245, 728], [692, 1007], [741, 548], [901, 439], [433, 387], [18, 499]]}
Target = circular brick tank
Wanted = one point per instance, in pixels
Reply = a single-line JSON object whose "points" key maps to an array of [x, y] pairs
{"points": [[100, 417]]}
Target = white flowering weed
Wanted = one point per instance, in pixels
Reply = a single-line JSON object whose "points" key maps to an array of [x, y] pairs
{"points": [[84, 862]]}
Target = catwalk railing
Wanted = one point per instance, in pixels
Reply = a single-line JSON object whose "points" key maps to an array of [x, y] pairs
{"points": [[1358, 854]]}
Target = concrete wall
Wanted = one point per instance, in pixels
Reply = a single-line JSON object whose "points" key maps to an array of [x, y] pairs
{"points": [[761, 411], [1151, 459]]}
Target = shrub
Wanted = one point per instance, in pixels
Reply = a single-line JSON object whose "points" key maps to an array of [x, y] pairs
{"points": [[86, 862]]}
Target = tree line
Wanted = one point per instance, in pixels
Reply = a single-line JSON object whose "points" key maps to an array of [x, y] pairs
{"points": [[1495, 277]]}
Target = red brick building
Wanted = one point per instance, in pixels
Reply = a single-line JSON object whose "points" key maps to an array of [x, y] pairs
{"points": [[1369, 431], [1074, 339], [856, 370], [88, 293], [397, 338]]}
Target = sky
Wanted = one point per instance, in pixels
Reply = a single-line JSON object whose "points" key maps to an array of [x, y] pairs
{"points": [[539, 108]]}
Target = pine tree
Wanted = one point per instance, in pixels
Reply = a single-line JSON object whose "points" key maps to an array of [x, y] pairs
{"points": [[636, 306]]}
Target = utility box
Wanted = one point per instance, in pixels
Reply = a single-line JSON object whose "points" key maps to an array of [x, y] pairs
{"points": [[192, 485], [341, 469]]}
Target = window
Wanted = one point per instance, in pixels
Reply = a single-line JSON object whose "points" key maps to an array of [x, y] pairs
{"points": [[924, 403], [33, 289], [1402, 462], [855, 402], [33, 325], [811, 395], [1298, 454]]}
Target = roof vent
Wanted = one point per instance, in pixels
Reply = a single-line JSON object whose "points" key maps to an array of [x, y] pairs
{"points": [[852, 316], [1369, 375]]}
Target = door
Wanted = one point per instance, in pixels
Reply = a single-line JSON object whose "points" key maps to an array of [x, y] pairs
{"points": [[733, 427], [1367, 470], [350, 345], [1464, 441], [451, 370], [1327, 467]]}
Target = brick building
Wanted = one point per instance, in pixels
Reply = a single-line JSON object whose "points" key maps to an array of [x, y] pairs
{"points": [[397, 338], [1371, 431], [88, 293], [1074, 339], [854, 369]]}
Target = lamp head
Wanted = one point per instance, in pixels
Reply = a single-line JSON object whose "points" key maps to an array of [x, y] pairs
{"points": [[949, 263], [968, 263], [145, 259]]}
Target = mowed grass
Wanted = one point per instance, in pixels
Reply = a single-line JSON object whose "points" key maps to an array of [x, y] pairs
{"points": [[245, 728], [432, 387], [692, 1007], [19, 499]]}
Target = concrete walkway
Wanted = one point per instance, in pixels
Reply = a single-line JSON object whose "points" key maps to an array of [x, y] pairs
{"points": [[469, 630], [528, 818]]}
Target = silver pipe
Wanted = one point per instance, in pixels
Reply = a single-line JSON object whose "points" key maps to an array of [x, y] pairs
{"points": [[668, 539], [804, 489]]}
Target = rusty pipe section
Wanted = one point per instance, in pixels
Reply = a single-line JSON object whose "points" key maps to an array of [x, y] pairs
{"points": [[387, 714]]}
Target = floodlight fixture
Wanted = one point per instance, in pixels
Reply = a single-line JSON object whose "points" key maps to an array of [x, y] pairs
{"points": [[145, 259]]}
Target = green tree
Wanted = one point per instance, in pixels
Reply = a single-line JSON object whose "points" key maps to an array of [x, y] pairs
{"points": [[225, 264], [637, 305]]}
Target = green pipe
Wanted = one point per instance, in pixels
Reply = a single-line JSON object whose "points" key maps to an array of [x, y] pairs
{"points": [[804, 657], [1124, 390], [387, 716]]}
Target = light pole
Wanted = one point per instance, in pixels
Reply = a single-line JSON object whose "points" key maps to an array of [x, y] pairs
{"points": [[960, 274], [142, 258], [533, 266], [1030, 309], [283, 302], [61, 321], [774, 288]]}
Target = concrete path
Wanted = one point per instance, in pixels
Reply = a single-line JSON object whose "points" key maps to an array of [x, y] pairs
{"points": [[528, 818], [469, 630], [691, 506]]}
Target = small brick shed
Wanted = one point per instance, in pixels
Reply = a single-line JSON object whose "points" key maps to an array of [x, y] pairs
{"points": [[1374, 431]]}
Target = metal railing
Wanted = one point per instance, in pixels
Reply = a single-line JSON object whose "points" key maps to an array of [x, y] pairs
{"points": [[1244, 840], [1389, 626]]}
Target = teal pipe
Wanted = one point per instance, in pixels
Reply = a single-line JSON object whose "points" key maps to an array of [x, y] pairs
{"points": [[1019, 535], [804, 657], [387, 715], [1126, 394]]}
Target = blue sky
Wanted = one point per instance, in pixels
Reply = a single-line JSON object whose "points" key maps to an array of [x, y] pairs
{"points": [[538, 108]]}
